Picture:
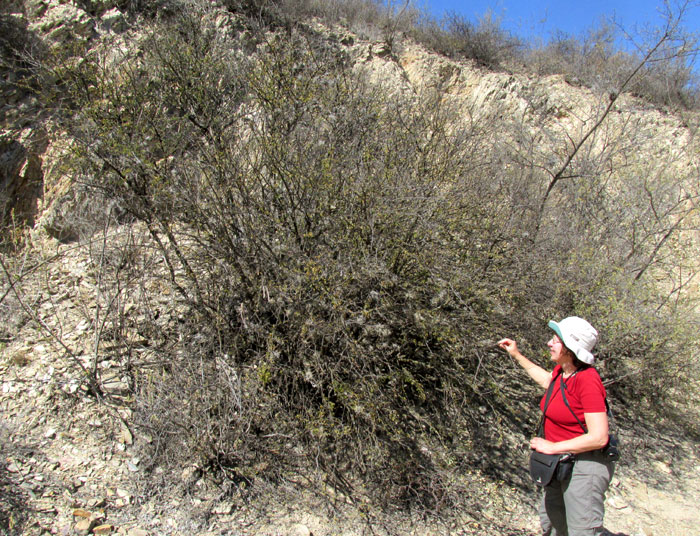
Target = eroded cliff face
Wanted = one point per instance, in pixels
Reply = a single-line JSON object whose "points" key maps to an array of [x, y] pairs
{"points": [[556, 113], [33, 188], [546, 116]]}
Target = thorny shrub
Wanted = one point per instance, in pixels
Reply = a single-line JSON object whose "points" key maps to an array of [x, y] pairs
{"points": [[485, 42]]}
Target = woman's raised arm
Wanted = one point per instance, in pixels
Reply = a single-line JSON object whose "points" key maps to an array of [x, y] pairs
{"points": [[537, 373]]}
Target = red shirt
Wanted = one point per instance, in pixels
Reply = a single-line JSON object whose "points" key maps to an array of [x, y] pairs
{"points": [[585, 394]]}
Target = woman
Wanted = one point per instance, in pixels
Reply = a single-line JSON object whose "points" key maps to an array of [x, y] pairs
{"points": [[574, 507]]}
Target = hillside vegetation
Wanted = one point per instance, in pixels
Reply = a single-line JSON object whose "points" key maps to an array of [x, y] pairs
{"points": [[303, 264]]}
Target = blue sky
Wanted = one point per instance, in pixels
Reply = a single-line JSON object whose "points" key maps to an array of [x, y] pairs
{"points": [[541, 18]]}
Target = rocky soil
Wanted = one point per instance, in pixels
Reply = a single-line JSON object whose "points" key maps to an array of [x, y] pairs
{"points": [[70, 461]]}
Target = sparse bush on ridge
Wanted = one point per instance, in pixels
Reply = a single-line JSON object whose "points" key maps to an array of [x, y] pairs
{"points": [[342, 258], [593, 60], [485, 42]]}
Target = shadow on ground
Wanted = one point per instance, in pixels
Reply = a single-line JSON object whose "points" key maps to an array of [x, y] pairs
{"points": [[13, 504]]}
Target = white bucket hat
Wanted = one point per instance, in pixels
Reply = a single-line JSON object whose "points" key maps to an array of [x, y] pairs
{"points": [[578, 336]]}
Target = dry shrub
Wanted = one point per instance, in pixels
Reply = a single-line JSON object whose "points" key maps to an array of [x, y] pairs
{"points": [[596, 60], [485, 41], [319, 256]]}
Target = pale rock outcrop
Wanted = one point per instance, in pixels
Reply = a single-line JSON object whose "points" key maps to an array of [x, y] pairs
{"points": [[33, 187], [113, 21], [58, 20]]}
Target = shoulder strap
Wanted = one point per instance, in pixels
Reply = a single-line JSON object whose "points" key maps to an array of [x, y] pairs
{"points": [[540, 426], [562, 388], [611, 419]]}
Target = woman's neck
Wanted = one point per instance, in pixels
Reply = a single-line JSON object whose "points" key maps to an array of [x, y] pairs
{"points": [[568, 369]]}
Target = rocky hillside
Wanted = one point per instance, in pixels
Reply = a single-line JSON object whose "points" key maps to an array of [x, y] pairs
{"points": [[70, 463], [78, 347]]}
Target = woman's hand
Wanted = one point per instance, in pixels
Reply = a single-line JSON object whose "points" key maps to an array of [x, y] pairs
{"points": [[542, 445], [509, 345]]}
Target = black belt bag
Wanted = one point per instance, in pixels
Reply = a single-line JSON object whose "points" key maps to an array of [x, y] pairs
{"points": [[547, 467]]}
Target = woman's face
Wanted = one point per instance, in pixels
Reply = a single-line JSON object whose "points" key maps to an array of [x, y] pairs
{"points": [[557, 350]]}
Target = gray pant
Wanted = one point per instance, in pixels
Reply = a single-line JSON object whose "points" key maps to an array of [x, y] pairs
{"points": [[576, 507]]}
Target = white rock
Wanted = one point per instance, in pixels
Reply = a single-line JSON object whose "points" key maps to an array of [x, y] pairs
{"points": [[13, 468], [61, 21], [618, 503], [223, 509], [300, 530], [113, 21], [126, 438]]}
